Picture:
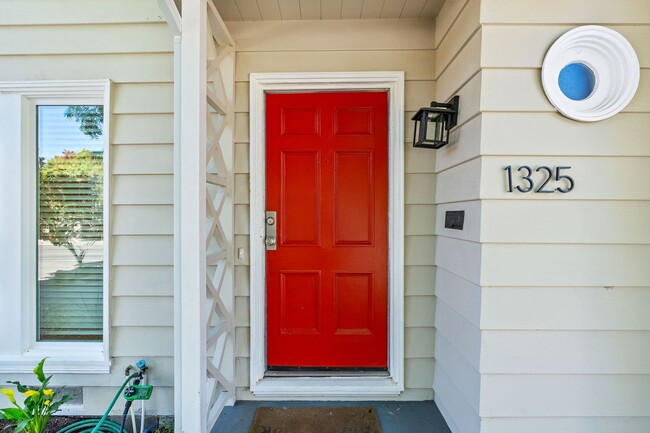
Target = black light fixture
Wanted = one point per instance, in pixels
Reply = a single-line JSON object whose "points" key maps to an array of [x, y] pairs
{"points": [[432, 124]]}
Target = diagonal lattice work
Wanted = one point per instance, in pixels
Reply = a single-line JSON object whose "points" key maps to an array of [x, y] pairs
{"points": [[219, 219]]}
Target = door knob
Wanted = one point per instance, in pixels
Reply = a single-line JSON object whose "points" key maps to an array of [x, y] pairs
{"points": [[271, 229]]}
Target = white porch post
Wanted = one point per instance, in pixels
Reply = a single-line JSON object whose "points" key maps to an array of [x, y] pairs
{"points": [[192, 214], [205, 363]]}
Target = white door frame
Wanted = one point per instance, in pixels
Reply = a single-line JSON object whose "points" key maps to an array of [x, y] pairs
{"points": [[361, 387]]}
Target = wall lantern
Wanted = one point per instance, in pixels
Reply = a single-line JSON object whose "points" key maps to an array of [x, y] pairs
{"points": [[432, 124]]}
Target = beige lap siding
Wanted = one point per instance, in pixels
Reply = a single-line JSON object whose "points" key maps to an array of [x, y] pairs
{"points": [[565, 329], [129, 43]]}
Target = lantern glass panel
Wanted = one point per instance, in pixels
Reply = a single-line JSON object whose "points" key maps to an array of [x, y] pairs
{"points": [[435, 126]]}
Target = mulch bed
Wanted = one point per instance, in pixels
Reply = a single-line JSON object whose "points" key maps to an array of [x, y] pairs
{"points": [[316, 419], [55, 423]]}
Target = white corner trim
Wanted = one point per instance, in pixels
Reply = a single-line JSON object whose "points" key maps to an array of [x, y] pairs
{"points": [[330, 388], [612, 60]]}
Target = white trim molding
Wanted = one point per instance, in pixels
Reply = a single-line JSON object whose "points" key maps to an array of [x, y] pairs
{"points": [[330, 388], [19, 350]]}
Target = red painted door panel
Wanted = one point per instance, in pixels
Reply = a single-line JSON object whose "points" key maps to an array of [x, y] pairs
{"points": [[327, 179]]}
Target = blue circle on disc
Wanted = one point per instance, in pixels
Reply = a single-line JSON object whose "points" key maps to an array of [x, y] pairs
{"points": [[576, 81]]}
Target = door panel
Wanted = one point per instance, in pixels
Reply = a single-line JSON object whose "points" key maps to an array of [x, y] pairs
{"points": [[327, 179]]}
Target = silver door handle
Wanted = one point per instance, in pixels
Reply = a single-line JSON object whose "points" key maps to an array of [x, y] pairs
{"points": [[270, 239]]}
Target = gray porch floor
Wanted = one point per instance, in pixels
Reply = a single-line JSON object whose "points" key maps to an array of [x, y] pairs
{"points": [[394, 416]]}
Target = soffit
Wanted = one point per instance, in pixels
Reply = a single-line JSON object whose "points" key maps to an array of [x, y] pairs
{"points": [[283, 10]]}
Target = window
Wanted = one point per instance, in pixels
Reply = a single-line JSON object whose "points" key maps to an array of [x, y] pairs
{"points": [[70, 262], [54, 225]]}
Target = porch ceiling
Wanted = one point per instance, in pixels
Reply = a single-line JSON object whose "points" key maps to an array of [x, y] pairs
{"points": [[274, 10]]}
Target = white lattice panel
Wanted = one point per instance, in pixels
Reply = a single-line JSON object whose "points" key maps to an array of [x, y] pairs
{"points": [[219, 220]]}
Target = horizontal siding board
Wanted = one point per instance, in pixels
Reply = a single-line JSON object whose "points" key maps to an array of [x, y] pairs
{"points": [[139, 311], [419, 280], [578, 395], [332, 35], [143, 220], [464, 297], [566, 308], [142, 159], [464, 66], [459, 332], [37, 12], [120, 68], [465, 377], [143, 189], [419, 342], [420, 188], [143, 98], [520, 90], [447, 17], [453, 404], [600, 178], [459, 183], [418, 160], [419, 220], [571, 265], [568, 222], [464, 145], [143, 128], [461, 258], [242, 280], [418, 94], [419, 250], [419, 311], [417, 65], [465, 26], [565, 425], [143, 250], [559, 11], [142, 341], [86, 39], [526, 133], [418, 373], [525, 46], [565, 352], [143, 281]]}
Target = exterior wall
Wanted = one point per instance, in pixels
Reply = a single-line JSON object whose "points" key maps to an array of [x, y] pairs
{"points": [[458, 253], [129, 43], [348, 45], [564, 277]]}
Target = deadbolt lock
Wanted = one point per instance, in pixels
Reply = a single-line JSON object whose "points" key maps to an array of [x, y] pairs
{"points": [[271, 231]]}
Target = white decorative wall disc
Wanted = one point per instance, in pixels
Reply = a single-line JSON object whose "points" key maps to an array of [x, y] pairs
{"points": [[590, 73]]}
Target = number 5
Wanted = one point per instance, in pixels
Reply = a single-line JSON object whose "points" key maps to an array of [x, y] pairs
{"points": [[559, 177]]}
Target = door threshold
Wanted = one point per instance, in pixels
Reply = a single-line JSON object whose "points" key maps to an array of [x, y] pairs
{"points": [[326, 373]]}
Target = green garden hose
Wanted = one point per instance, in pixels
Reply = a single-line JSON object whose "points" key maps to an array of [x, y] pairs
{"points": [[99, 425]]}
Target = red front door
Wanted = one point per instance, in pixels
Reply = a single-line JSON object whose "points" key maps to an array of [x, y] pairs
{"points": [[327, 179]]}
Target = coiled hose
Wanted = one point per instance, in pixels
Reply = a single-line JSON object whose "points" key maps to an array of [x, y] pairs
{"points": [[100, 425]]}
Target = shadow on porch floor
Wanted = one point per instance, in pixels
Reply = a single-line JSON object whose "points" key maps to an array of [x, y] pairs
{"points": [[394, 416]]}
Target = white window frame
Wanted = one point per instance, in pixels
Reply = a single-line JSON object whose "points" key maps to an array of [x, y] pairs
{"points": [[332, 387], [19, 350]]}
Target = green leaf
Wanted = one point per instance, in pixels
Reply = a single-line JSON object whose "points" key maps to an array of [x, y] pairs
{"points": [[38, 371], [21, 426], [14, 414]]}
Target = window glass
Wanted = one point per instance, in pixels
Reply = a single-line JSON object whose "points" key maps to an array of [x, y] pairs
{"points": [[70, 222]]}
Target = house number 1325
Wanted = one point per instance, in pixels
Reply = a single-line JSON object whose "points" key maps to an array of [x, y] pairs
{"points": [[550, 176]]}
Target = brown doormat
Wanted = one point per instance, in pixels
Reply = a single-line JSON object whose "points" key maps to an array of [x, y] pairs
{"points": [[361, 419]]}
